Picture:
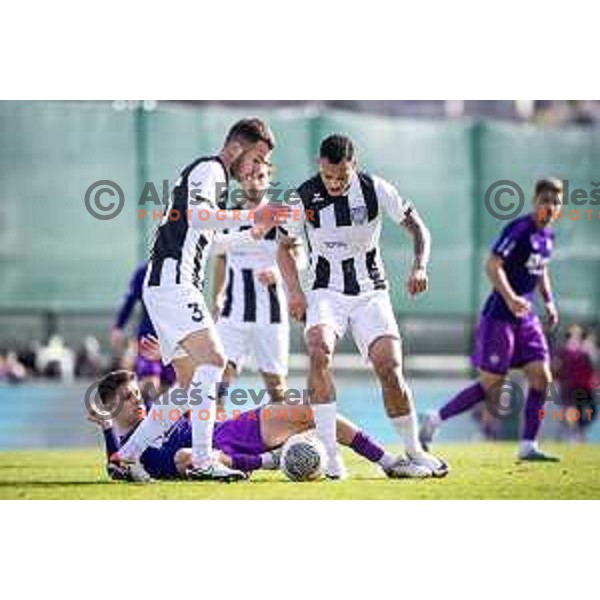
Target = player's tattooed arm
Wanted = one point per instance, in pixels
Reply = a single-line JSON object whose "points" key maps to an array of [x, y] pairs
{"points": [[518, 305], [287, 259], [418, 280], [545, 288]]}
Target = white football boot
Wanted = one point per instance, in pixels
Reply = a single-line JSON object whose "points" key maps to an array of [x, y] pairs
{"points": [[336, 469], [437, 466], [404, 468]]}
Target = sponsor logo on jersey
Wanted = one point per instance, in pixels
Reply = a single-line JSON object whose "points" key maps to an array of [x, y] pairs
{"points": [[359, 215]]}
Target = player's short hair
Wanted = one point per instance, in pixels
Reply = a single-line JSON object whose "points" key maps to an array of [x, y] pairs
{"points": [[110, 383], [548, 184], [251, 131], [337, 148]]}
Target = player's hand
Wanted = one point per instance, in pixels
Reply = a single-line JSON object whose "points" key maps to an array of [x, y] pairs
{"points": [[150, 348], [95, 418], [116, 339], [271, 215], [267, 277], [551, 314], [519, 306], [418, 281], [297, 305]]}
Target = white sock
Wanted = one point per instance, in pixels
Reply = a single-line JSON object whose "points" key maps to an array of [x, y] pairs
{"points": [[203, 414], [408, 430], [161, 417], [387, 460], [267, 460], [528, 445], [436, 420], [325, 424]]}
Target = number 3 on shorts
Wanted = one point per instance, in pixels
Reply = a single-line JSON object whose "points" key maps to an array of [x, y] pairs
{"points": [[197, 316]]}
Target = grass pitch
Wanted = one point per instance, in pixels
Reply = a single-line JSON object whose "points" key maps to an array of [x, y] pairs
{"points": [[479, 471]]}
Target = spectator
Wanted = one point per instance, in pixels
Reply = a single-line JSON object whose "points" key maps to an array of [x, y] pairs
{"points": [[55, 360], [90, 362], [11, 368], [575, 376]]}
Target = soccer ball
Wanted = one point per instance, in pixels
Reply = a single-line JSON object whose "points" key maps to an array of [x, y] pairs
{"points": [[303, 458]]}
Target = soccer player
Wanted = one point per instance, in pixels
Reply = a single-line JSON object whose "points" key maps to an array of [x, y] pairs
{"points": [[152, 374], [510, 334], [173, 297], [251, 302], [343, 212], [246, 442]]}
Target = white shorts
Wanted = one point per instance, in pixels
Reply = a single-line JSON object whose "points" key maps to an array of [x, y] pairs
{"points": [[176, 312], [266, 346], [369, 315]]}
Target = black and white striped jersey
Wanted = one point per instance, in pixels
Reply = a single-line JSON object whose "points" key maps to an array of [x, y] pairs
{"points": [[248, 300], [180, 247], [342, 233]]}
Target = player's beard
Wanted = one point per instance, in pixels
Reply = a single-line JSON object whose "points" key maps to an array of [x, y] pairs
{"points": [[236, 165]]}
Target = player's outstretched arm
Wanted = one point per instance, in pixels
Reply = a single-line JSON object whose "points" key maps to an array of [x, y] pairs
{"points": [[218, 283], [111, 441], [518, 305], [418, 280]]}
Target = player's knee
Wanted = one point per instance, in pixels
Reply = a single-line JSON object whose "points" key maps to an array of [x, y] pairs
{"points": [[539, 379], [321, 356], [491, 380], [390, 373], [216, 359]]}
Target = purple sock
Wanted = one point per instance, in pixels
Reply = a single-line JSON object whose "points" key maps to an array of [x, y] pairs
{"points": [[533, 405], [366, 447], [246, 462], [463, 401]]}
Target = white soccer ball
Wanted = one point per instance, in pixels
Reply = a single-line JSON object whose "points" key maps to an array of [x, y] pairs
{"points": [[303, 458]]}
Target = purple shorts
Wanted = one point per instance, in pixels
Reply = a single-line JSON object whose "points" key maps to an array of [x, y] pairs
{"points": [[501, 345], [241, 435], [154, 368]]}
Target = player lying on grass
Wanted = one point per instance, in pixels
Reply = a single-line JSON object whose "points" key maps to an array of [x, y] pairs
{"points": [[510, 334], [245, 443]]}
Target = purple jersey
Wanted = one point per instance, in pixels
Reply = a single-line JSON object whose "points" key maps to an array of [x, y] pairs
{"points": [[134, 295], [240, 436], [525, 249]]}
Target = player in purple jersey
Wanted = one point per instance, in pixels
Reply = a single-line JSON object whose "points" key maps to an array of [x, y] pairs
{"points": [[152, 374], [510, 334], [246, 443]]}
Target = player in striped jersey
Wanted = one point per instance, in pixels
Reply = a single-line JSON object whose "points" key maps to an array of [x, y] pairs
{"points": [[172, 294], [343, 211], [251, 303]]}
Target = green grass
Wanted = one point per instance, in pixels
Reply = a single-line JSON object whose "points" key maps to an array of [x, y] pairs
{"points": [[478, 471]]}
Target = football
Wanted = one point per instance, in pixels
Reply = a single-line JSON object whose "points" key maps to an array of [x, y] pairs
{"points": [[303, 458]]}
